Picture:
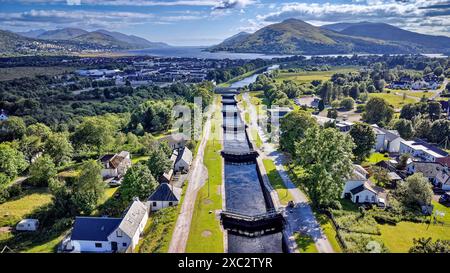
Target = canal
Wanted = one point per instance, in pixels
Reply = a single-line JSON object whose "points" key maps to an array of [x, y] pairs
{"points": [[244, 191]]}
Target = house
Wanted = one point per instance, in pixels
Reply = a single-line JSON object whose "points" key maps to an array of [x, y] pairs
{"points": [[437, 173], [167, 176], [357, 187], [107, 235], [423, 151], [28, 225], [402, 84], [386, 140], [3, 115], [343, 126], [115, 165], [183, 161], [164, 196], [276, 113], [176, 141]]}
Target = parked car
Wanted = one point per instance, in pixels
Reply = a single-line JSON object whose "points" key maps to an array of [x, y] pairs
{"points": [[445, 199], [438, 190], [115, 182], [381, 203]]}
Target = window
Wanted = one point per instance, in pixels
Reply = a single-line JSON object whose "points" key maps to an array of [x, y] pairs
{"points": [[98, 245], [154, 204], [170, 203], [119, 233], [124, 244]]}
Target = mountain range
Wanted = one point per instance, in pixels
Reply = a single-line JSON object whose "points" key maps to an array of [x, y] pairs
{"points": [[295, 36], [71, 39]]}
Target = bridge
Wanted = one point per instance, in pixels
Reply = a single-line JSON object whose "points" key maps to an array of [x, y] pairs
{"points": [[251, 225], [226, 90]]}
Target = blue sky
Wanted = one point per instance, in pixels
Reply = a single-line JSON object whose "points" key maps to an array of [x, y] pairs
{"points": [[206, 22]]}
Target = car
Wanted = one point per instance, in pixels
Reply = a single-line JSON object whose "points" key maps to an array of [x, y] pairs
{"points": [[445, 199], [381, 203], [115, 182], [438, 190]]}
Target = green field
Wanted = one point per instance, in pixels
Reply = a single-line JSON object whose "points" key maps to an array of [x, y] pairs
{"points": [[14, 210], [309, 76], [416, 94], [205, 235], [12, 73], [399, 238], [397, 101], [374, 159], [276, 182]]}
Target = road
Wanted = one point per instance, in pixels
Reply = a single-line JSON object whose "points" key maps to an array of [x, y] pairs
{"points": [[196, 179], [301, 218]]}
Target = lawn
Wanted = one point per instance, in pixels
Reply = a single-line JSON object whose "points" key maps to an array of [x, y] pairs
{"points": [[14, 210], [137, 159], [329, 231], [309, 76], [305, 244], [375, 158], [399, 238], [48, 247], [276, 182], [205, 235], [256, 138], [416, 94], [397, 101]]}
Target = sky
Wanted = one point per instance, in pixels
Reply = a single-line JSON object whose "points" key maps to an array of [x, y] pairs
{"points": [[208, 22]]}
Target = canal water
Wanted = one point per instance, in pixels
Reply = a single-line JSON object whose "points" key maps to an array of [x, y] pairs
{"points": [[243, 188]]}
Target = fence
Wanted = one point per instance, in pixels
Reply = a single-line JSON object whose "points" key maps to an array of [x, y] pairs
{"points": [[338, 229]]}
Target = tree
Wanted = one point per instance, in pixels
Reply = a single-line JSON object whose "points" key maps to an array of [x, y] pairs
{"points": [[415, 191], [59, 148], [293, 127], [158, 163], [354, 91], [12, 161], [42, 171], [440, 130], [40, 130], [325, 156], [12, 128], [321, 106], [426, 245], [89, 188], [138, 182], [348, 104], [31, 146], [422, 128], [381, 176], [364, 138], [154, 116], [404, 128], [332, 113], [325, 91], [378, 111], [434, 110], [93, 132]]}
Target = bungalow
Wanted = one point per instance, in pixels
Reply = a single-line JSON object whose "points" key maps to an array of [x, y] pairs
{"points": [[358, 189], [437, 173], [386, 140], [107, 235], [176, 141], [115, 165], [424, 151], [164, 196], [183, 161]]}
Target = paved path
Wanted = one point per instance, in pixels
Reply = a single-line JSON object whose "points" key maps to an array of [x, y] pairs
{"points": [[196, 179], [301, 218]]}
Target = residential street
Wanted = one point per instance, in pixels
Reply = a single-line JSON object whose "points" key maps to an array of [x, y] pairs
{"points": [[196, 178], [301, 218]]}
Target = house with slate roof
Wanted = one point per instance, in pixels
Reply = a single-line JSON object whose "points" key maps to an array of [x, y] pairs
{"points": [[357, 187], [386, 140], [109, 235], [115, 165], [183, 161], [164, 196]]}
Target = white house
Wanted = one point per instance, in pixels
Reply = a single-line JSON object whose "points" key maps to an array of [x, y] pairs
{"points": [[424, 152], [164, 196], [176, 141], [386, 140], [358, 189], [437, 173], [107, 235], [183, 161], [28, 225], [115, 165]]}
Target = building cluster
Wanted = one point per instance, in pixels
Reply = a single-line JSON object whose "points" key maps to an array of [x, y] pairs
{"points": [[109, 234], [428, 82]]}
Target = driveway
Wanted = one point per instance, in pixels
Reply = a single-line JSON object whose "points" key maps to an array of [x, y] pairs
{"points": [[300, 218]]}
